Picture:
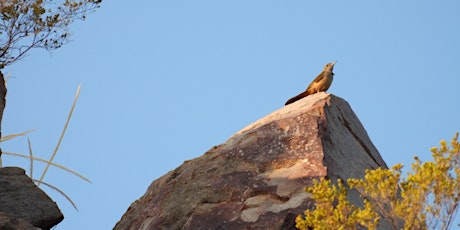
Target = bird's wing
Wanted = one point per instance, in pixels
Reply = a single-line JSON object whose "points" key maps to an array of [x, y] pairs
{"points": [[316, 81], [318, 78]]}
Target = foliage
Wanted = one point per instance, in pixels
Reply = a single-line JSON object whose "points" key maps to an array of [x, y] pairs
{"points": [[27, 24], [427, 198], [333, 210]]}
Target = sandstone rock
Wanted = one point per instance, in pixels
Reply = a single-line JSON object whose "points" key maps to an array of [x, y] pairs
{"points": [[256, 179], [21, 198]]}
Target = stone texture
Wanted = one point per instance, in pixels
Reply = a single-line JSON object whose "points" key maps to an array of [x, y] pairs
{"points": [[256, 179], [9, 222], [21, 198]]}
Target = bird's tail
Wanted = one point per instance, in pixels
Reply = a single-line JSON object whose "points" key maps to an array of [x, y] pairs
{"points": [[296, 98]]}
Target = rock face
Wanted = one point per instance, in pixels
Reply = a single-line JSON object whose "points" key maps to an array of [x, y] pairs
{"points": [[23, 203], [256, 179], [9, 222]]}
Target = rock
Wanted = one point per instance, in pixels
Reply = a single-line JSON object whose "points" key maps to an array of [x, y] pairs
{"points": [[21, 198], [256, 179], [9, 222]]}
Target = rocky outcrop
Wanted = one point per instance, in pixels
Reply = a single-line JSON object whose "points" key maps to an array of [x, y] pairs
{"points": [[23, 203], [256, 179]]}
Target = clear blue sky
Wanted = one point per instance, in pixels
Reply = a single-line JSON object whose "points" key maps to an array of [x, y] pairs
{"points": [[164, 81]]}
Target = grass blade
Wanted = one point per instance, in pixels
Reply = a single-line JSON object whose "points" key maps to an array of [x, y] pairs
{"points": [[61, 137], [51, 163], [58, 190], [11, 136], [31, 158]]}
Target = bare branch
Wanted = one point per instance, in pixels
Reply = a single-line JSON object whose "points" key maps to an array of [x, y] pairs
{"points": [[28, 24]]}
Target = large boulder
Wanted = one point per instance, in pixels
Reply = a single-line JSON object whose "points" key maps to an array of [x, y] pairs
{"points": [[256, 179]]}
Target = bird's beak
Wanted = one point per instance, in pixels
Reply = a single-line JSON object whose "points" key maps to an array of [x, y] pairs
{"points": [[333, 63]]}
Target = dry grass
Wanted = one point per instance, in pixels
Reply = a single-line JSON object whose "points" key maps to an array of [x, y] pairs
{"points": [[49, 162]]}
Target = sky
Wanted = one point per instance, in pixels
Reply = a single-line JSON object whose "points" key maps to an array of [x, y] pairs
{"points": [[164, 81]]}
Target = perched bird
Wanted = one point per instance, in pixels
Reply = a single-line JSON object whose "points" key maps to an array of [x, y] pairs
{"points": [[320, 84]]}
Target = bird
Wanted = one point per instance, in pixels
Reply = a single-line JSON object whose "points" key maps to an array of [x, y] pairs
{"points": [[321, 83]]}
